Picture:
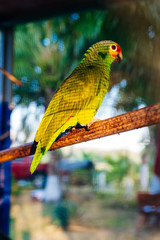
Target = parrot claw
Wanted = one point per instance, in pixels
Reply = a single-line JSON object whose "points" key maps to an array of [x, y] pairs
{"points": [[72, 129], [90, 123], [75, 127]]}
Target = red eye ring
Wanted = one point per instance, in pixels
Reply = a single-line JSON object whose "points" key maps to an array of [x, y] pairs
{"points": [[113, 47]]}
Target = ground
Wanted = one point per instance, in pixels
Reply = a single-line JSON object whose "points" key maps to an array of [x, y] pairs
{"points": [[102, 217]]}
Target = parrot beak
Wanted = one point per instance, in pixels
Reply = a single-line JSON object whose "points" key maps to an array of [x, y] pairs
{"points": [[119, 57]]}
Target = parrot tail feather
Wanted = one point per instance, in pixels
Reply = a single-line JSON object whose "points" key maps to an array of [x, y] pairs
{"points": [[37, 157], [40, 151]]}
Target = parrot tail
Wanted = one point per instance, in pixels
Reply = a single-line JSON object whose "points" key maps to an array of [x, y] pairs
{"points": [[41, 151], [37, 157]]}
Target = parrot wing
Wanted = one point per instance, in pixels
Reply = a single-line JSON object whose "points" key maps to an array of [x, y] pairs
{"points": [[75, 94]]}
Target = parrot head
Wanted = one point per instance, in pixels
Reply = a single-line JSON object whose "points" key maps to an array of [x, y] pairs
{"points": [[104, 52], [115, 52]]}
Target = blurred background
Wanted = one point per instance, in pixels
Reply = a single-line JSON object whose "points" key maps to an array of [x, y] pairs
{"points": [[89, 190]]}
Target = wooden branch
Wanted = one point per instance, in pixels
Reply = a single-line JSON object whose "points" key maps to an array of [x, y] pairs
{"points": [[4, 135], [10, 77], [132, 120]]}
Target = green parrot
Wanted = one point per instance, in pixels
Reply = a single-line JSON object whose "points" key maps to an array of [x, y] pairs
{"points": [[78, 98]]}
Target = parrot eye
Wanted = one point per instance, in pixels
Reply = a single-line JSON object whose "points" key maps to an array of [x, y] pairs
{"points": [[113, 47]]}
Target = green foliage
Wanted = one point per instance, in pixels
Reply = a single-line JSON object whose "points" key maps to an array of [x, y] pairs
{"points": [[57, 45], [120, 168], [46, 52]]}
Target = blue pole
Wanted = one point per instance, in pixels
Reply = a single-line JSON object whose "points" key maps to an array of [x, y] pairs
{"points": [[6, 50], [5, 172]]}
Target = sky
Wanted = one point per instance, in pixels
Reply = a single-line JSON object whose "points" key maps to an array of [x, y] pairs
{"points": [[133, 141]]}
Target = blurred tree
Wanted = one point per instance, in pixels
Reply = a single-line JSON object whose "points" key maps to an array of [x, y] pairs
{"points": [[120, 168], [140, 67], [46, 52]]}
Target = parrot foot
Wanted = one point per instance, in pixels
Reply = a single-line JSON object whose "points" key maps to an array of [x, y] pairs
{"points": [[90, 123], [73, 128]]}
